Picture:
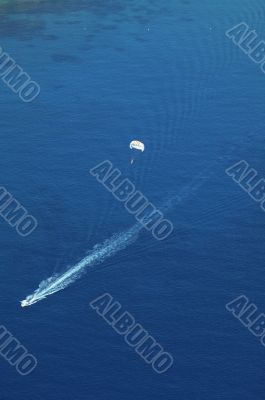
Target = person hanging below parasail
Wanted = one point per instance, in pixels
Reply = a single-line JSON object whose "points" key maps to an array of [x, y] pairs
{"points": [[135, 147]]}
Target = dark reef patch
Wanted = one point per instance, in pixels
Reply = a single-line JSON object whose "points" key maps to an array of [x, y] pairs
{"points": [[49, 37], [140, 39], [97, 7], [22, 18], [187, 19], [22, 29], [102, 7]]}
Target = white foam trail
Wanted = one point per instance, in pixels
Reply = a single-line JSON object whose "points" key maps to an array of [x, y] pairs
{"points": [[100, 252], [108, 248]]}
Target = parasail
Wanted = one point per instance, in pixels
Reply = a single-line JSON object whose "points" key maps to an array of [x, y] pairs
{"points": [[137, 145]]}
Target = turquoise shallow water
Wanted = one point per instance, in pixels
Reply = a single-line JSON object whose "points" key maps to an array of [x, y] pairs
{"points": [[108, 73]]}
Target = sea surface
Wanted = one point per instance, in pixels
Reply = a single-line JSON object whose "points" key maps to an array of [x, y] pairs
{"points": [[110, 72]]}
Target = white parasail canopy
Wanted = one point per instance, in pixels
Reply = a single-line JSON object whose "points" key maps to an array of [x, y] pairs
{"points": [[136, 144]]}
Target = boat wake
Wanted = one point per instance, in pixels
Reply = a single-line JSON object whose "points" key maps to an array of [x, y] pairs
{"points": [[109, 247], [99, 253]]}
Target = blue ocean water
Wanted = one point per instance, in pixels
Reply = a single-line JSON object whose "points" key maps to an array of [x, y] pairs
{"points": [[111, 72]]}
